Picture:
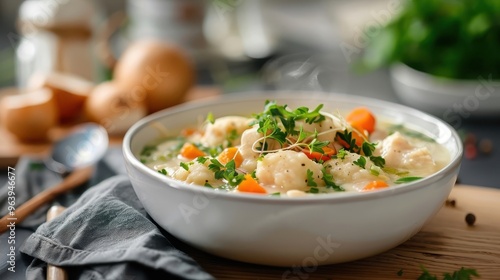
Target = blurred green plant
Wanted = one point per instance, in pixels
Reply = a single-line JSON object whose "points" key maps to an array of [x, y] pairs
{"points": [[457, 39], [7, 67]]}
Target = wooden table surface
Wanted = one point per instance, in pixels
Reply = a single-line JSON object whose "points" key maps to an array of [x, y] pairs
{"points": [[445, 244]]}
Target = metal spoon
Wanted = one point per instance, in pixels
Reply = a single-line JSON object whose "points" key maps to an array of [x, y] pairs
{"points": [[72, 156]]}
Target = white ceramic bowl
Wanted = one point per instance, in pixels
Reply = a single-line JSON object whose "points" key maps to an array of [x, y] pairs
{"points": [[309, 231], [451, 100]]}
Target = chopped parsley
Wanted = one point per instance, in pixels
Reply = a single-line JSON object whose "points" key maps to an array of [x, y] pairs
{"points": [[212, 151], [226, 172], [278, 123], [148, 150], [461, 274], [163, 171], [313, 190], [184, 165], [346, 136], [201, 160], [328, 179], [361, 162], [231, 136], [368, 149], [378, 161], [310, 179]]}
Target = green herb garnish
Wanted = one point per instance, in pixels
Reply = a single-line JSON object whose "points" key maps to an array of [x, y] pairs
{"points": [[368, 149], [210, 118], [148, 150], [410, 133], [310, 178], [328, 179], [317, 146], [361, 162], [201, 160], [227, 172], [395, 171], [278, 123], [374, 171], [231, 136], [313, 190], [212, 151], [346, 136], [403, 180], [341, 153], [184, 165], [378, 161], [163, 171], [461, 274]]}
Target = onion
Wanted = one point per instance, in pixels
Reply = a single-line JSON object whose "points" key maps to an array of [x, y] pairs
{"points": [[112, 106], [29, 116], [70, 91], [156, 72]]}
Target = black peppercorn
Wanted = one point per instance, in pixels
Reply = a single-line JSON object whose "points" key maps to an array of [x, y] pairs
{"points": [[451, 202], [470, 219]]}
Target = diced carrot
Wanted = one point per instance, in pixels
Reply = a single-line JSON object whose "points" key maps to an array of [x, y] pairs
{"points": [[375, 185], [249, 184], [190, 151], [188, 131], [229, 154], [356, 136], [326, 155], [361, 117]]}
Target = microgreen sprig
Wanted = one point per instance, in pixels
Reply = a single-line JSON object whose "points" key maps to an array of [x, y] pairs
{"points": [[278, 123]]}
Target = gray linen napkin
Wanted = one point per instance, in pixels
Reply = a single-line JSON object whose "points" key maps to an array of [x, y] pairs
{"points": [[105, 234]]}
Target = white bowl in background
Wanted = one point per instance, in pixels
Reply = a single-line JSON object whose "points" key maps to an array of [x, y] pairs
{"points": [[317, 230], [447, 99]]}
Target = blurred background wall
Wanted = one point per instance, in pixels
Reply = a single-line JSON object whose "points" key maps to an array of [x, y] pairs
{"points": [[235, 38]]}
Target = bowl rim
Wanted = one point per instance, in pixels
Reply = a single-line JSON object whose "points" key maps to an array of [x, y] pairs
{"points": [[338, 197], [426, 81]]}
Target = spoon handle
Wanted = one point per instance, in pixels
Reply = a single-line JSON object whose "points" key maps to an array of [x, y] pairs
{"points": [[73, 180], [55, 272]]}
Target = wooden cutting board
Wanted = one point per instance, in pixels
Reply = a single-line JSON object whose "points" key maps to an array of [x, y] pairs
{"points": [[445, 244], [11, 149]]}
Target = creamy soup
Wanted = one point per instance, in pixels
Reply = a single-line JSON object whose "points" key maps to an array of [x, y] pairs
{"points": [[297, 152]]}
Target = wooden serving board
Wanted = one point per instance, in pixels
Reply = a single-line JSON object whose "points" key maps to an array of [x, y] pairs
{"points": [[11, 149], [445, 244]]}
